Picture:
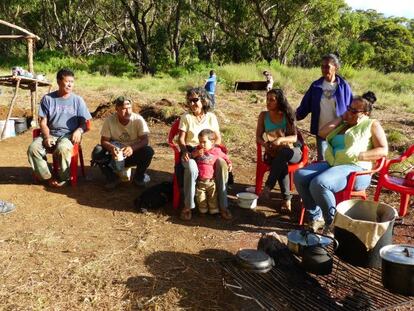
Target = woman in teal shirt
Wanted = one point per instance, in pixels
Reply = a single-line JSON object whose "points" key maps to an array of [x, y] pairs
{"points": [[276, 132]]}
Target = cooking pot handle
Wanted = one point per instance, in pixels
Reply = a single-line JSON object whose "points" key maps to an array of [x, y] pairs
{"points": [[335, 241]]}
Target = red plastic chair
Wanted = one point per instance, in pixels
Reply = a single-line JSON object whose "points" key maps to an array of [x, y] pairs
{"points": [[348, 192], [176, 187], [262, 167], [404, 186], [76, 154]]}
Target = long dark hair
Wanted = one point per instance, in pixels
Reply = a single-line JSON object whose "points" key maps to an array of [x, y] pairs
{"points": [[283, 105]]}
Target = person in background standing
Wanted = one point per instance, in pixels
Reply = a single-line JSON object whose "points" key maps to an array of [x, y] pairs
{"points": [[269, 80], [210, 87], [326, 99]]}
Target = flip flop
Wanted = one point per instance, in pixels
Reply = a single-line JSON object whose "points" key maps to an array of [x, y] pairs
{"points": [[56, 184], [185, 214]]}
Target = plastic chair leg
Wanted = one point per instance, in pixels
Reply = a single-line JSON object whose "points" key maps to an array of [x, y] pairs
{"points": [[291, 184], [404, 201], [74, 170], [82, 164], [259, 180], [302, 213], [377, 192], [176, 193]]}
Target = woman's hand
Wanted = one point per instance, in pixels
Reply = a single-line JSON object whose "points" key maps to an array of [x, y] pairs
{"points": [[185, 156], [230, 167]]}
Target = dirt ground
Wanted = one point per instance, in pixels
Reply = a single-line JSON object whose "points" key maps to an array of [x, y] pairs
{"points": [[85, 248]]}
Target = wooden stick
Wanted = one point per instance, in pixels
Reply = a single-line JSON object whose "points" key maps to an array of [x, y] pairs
{"points": [[15, 37], [33, 100], [30, 54], [16, 90], [19, 28]]}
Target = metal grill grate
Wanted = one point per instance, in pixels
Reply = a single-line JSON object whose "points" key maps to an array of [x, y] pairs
{"points": [[288, 287]]}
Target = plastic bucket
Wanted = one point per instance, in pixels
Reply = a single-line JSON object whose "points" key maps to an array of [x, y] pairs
{"points": [[10, 131], [20, 125]]}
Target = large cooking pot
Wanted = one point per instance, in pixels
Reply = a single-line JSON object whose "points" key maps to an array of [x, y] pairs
{"points": [[362, 228], [398, 268], [254, 260], [317, 259], [299, 240]]}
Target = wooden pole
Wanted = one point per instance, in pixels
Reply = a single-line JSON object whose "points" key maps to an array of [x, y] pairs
{"points": [[30, 54], [33, 91], [16, 90], [33, 97]]}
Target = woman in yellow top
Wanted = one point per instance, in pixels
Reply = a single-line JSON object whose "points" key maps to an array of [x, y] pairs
{"points": [[192, 123], [354, 142]]}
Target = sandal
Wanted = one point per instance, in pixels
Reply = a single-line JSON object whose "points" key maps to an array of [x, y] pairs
{"points": [[185, 214], [55, 183], [286, 206], [225, 214]]}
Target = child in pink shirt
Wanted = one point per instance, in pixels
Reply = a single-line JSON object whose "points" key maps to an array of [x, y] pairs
{"points": [[206, 155]]}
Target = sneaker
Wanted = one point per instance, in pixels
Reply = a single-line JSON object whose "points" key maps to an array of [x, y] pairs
{"points": [[316, 224], [327, 230], [144, 182], [6, 207]]}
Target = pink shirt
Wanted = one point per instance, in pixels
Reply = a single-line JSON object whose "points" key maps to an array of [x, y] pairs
{"points": [[206, 162]]}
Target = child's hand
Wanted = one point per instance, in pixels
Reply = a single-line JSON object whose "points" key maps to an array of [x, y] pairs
{"points": [[198, 153], [230, 167]]}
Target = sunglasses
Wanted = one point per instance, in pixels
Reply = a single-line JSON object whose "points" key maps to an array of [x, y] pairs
{"points": [[353, 110], [194, 100]]}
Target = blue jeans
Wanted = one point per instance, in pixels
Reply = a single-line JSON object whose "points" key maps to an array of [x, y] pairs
{"points": [[317, 184], [221, 174], [321, 146]]}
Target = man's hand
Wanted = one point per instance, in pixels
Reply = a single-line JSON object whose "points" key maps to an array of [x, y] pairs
{"points": [[48, 142], [127, 151], [76, 136]]}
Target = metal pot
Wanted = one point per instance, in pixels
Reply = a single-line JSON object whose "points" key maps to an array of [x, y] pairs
{"points": [[398, 268], [254, 260], [317, 260], [298, 240]]}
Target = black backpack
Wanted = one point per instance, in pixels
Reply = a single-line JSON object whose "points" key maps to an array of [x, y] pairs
{"points": [[154, 197]]}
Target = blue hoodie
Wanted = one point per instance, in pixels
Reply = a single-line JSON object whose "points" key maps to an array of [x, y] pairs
{"points": [[311, 101]]}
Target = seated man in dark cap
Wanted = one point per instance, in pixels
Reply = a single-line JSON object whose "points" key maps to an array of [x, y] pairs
{"points": [[124, 143]]}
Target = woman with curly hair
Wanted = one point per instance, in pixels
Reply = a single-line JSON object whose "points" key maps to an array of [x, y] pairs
{"points": [[276, 132], [191, 124]]}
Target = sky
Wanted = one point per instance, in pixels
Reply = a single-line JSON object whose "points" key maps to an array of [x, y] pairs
{"points": [[398, 8]]}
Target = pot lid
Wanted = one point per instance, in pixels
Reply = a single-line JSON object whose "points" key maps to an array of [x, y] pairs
{"points": [[398, 253], [254, 259], [308, 238]]}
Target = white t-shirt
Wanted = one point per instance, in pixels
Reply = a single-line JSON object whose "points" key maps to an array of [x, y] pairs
{"points": [[328, 103], [125, 134], [190, 125]]}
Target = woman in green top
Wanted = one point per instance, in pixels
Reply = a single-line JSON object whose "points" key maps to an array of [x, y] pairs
{"points": [[354, 142]]}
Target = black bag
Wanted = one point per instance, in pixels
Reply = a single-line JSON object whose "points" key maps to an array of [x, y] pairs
{"points": [[154, 197]]}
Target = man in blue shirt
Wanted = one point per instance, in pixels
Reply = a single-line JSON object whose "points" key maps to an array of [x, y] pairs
{"points": [[63, 116], [210, 87]]}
